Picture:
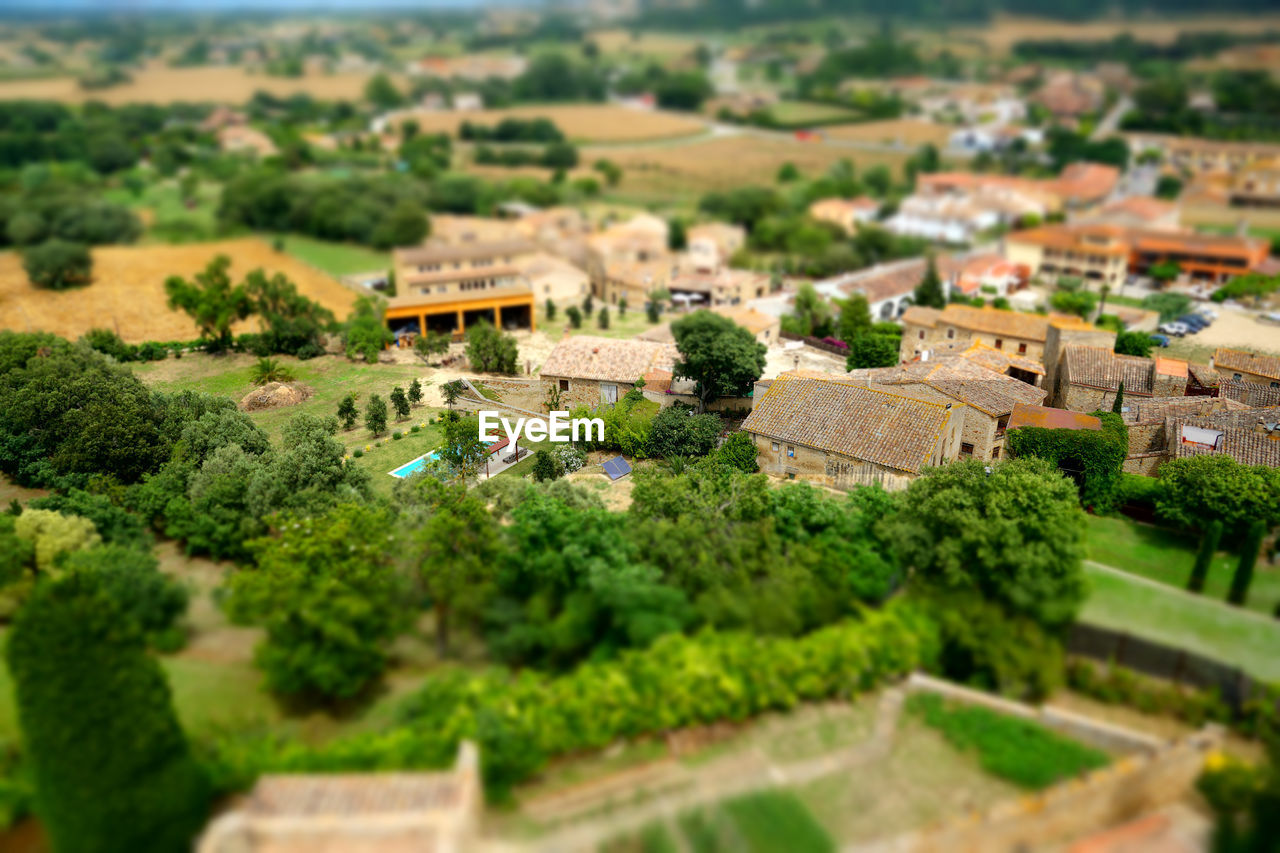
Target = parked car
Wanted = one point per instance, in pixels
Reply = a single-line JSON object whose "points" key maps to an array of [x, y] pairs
{"points": [[1207, 312], [1178, 330], [1160, 340], [1192, 322]]}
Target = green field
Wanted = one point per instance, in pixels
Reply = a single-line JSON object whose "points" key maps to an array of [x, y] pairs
{"points": [[337, 259], [1167, 556], [1167, 615], [799, 113], [173, 220]]}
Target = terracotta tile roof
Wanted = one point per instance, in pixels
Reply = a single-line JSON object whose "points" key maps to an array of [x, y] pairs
{"points": [[993, 321], [922, 315], [1204, 375], [1240, 438], [1028, 415], [1140, 207], [999, 360], [1171, 367], [1227, 360], [830, 413], [958, 378], [462, 252], [607, 359], [1249, 393], [1094, 239], [750, 319], [1153, 410], [1099, 367], [1086, 181], [891, 281]]}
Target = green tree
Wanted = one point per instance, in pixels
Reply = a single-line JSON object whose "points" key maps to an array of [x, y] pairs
{"points": [[266, 370], [454, 548], [57, 264], [611, 171], [347, 412], [1164, 271], [787, 173], [652, 311], [854, 319], [546, 466], [929, 291], [723, 358], [400, 403], [1209, 540], [463, 450], [375, 415], [364, 332], [404, 225], [575, 316], [1243, 577], [811, 314], [1216, 486], [82, 676], [677, 235], [431, 344], [872, 350], [451, 391], [739, 451], [683, 90], [328, 593], [491, 351], [602, 319], [622, 307], [588, 306], [415, 392], [382, 93], [211, 301], [1117, 405], [1133, 343], [551, 310], [1012, 531]]}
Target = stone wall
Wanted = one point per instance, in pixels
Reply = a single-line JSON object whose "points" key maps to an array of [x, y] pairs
{"points": [[827, 469]]}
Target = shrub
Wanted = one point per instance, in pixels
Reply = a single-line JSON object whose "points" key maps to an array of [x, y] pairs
{"points": [[546, 466], [82, 677], [58, 264], [415, 428], [740, 452], [677, 431], [152, 351], [397, 435], [109, 343], [267, 370], [357, 453], [1025, 753]]}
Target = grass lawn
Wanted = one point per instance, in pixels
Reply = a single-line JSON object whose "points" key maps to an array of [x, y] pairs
{"points": [[628, 326], [168, 218], [796, 113], [330, 378], [1171, 616], [1167, 556], [391, 454], [337, 259]]}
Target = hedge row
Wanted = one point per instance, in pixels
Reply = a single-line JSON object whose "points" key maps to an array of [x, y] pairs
{"points": [[520, 722]]}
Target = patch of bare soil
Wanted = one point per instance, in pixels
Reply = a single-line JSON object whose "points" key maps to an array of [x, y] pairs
{"points": [[275, 395]]}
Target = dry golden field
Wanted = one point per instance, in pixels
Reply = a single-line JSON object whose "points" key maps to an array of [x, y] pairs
{"points": [[726, 162], [580, 122], [911, 133], [163, 85], [661, 46], [127, 293], [1005, 30]]}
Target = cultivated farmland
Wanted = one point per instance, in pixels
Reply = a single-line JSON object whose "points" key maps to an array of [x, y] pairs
{"points": [[580, 122], [127, 293], [159, 84], [908, 133]]}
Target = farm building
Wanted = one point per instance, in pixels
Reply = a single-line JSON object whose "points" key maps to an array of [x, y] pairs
{"points": [[588, 370]]}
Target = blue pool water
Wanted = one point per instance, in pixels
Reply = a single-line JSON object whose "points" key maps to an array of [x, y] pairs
{"points": [[416, 465]]}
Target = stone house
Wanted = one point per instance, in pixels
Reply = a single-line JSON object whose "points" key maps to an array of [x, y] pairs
{"points": [[1089, 377], [826, 429], [926, 329], [888, 288], [1252, 368], [589, 370], [989, 397], [1250, 436], [1146, 420]]}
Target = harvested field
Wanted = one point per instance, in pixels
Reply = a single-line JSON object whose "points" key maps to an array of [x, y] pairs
{"points": [[726, 162], [160, 84], [909, 133], [127, 293], [580, 122], [1005, 30], [661, 46]]}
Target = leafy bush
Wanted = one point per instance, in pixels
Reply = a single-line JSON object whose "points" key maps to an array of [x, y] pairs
{"points": [[1099, 454], [57, 264], [415, 428], [1020, 751], [1116, 685], [546, 466], [109, 343], [521, 721], [81, 676], [358, 452], [397, 435], [132, 579], [267, 370], [677, 431]]}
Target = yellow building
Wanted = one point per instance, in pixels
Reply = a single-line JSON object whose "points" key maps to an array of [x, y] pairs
{"points": [[1095, 253], [448, 288]]}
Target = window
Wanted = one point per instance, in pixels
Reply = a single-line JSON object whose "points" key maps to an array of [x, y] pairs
{"points": [[791, 451], [776, 447], [1002, 424], [995, 453], [1275, 384], [564, 384], [1237, 377], [1022, 349], [608, 393], [999, 343], [966, 449], [920, 334], [951, 333]]}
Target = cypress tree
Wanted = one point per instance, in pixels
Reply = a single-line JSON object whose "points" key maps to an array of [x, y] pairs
{"points": [[929, 292], [1208, 547], [1243, 577], [111, 765], [1117, 405]]}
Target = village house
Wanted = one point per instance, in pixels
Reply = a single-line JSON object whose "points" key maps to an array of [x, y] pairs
{"points": [[391, 812], [989, 274], [1138, 211], [829, 430], [1256, 186], [765, 328], [1247, 367], [1249, 436], [1106, 254], [1146, 417], [925, 329], [888, 288], [555, 279], [448, 288], [723, 287], [1089, 377], [1069, 96], [989, 397], [630, 259], [590, 370], [1196, 156], [1078, 186], [241, 138], [710, 245], [847, 213]]}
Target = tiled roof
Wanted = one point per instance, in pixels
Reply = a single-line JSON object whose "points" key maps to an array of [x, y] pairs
{"points": [[832, 414], [1240, 438], [1142, 207], [993, 321], [1247, 362], [999, 360], [1099, 367], [922, 315], [1027, 415], [891, 281], [954, 376], [606, 359], [1153, 410], [462, 252], [1249, 393]]}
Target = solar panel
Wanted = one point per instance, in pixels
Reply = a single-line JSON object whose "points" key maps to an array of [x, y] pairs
{"points": [[617, 467]]}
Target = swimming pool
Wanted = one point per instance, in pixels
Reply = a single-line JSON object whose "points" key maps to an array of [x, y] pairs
{"points": [[415, 465]]}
